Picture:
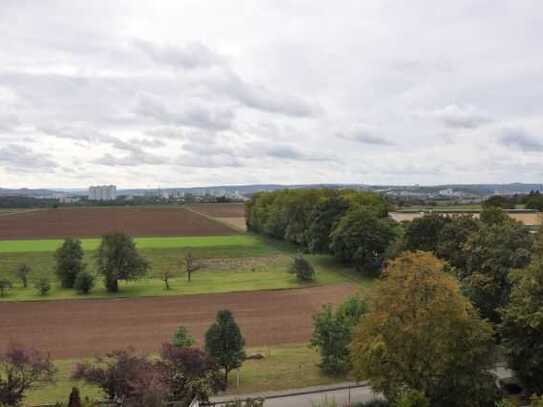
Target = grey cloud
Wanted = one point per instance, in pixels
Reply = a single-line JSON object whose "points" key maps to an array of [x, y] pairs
{"points": [[192, 116], [455, 116], [366, 135], [133, 159], [520, 139], [21, 158], [172, 133], [262, 98], [282, 151], [147, 142], [195, 55], [8, 122], [209, 161], [79, 133]]}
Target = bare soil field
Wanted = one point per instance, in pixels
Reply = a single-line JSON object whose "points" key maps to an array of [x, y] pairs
{"points": [[93, 222], [70, 329], [529, 219], [220, 210]]}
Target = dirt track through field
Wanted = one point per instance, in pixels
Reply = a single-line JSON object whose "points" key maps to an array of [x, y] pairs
{"points": [[220, 210], [93, 222], [81, 328]]}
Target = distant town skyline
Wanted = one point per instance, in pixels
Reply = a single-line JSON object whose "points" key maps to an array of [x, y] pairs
{"points": [[195, 93]]}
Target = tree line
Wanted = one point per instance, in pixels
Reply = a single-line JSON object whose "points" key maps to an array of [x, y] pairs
{"points": [[353, 226]]}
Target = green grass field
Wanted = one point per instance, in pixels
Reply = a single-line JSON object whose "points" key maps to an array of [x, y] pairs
{"points": [[267, 273], [226, 264], [49, 245], [282, 366]]}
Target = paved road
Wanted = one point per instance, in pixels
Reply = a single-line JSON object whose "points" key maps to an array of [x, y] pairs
{"points": [[307, 397]]}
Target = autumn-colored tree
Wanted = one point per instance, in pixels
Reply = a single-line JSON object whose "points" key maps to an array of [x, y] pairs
{"points": [[20, 369], [422, 334]]}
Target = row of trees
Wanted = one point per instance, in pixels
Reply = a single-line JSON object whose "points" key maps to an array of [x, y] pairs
{"points": [[117, 258], [351, 225], [533, 200], [180, 373]]}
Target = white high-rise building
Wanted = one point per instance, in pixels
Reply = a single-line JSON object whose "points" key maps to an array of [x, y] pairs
{"points": [[102, 193]]}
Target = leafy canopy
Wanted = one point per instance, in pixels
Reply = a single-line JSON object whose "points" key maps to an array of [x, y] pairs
{"points": [[522, 326], [420, 333], [332, 332], [69, 262], [224, 343], [118, 259]]}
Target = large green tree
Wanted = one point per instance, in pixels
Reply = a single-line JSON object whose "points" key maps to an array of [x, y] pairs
{"points": [[117, 259], [325, 215], [452, 238], [422, 334], [332, 332], [69, 262], [361, 238], [522, 325], [423, 233], [490, 255], [225, 344]]}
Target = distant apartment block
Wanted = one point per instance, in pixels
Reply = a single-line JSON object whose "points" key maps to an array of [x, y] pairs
{"points": [[102, 193]]}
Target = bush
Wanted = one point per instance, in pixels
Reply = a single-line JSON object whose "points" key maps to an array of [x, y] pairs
{"points": [[22, 272], [69, 262], [42, 286], [182, 338], [84, 282], [4, 285], [302, 268], [412, 398], [332, 332], [373, 403]]}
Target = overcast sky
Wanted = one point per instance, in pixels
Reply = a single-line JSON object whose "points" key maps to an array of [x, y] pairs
{"points": [[186, 93]]}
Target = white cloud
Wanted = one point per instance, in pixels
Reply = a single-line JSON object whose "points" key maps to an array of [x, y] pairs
{"points": [[269, 92]]}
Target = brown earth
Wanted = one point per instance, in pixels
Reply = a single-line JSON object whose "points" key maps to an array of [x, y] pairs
{"points": [[80, 328], [91, 222], [220, 210]]}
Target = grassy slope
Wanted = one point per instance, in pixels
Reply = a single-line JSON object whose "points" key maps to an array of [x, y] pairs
{"points": [[283, 367]]}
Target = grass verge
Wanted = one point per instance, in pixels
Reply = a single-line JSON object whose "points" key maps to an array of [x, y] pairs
{"points": [[283, 367]]}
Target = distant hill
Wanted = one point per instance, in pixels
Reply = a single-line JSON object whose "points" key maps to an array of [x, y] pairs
{"points": [[477, 189]]}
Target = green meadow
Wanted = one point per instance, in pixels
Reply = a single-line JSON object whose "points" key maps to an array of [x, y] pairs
{"points": [[49, 245], [224, 264]]}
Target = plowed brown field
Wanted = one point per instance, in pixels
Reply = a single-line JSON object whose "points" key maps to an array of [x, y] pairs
{"points": [[82, 328], [92, 222]]}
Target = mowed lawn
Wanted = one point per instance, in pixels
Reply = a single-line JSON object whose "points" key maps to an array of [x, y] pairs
{"points": [[225, 264], [281, 367]]}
